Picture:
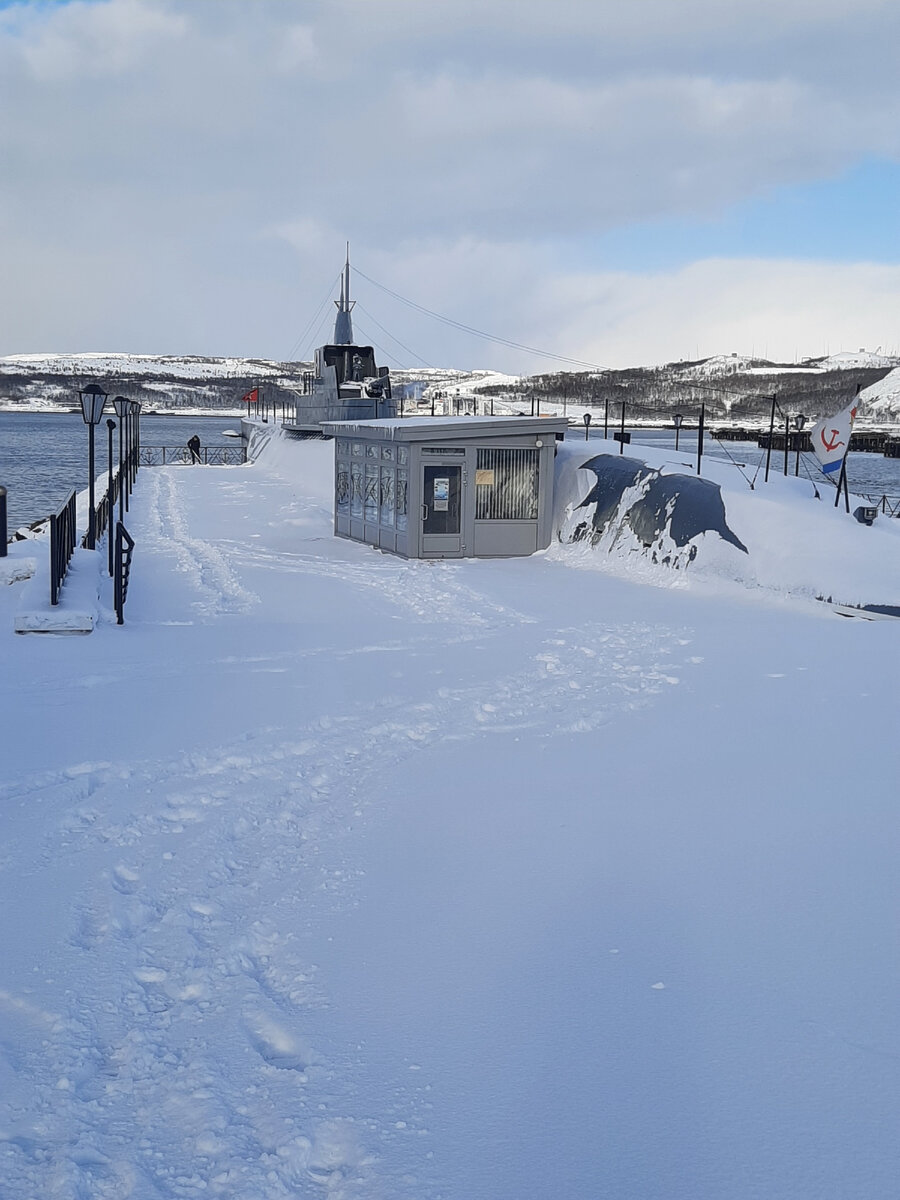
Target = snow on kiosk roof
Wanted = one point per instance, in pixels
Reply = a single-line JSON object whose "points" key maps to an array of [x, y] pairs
{"points": [[452, 487]]}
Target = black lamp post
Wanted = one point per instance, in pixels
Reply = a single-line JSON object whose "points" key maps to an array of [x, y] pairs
{"points": [[799, 422], [678, 421], [92, 398], [121, 406], [110, 426], [135, 439], [126, 451]]}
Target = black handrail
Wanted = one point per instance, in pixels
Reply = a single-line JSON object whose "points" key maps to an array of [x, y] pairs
{"points": [[62, 545], [105, 508], [124, 550]]}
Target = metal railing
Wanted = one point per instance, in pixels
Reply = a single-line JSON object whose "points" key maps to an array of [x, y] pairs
{"points": [[106, 507], [888, 505], [122, 569], [210, 456], [62, 545]]}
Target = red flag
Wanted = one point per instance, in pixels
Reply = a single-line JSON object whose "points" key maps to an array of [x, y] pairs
{"points": [[251, 397]]}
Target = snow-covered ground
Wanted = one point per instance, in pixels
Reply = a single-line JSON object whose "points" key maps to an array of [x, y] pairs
{"points": [[331, 874]]}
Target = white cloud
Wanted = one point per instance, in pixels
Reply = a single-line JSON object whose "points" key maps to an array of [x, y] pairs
{"points": [[207, 151], [780, 309], [777, 308], [297, 47], [88, 42]]}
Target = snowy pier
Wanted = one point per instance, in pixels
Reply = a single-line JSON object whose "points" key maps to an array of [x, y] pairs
{"points": [[348, 876]]}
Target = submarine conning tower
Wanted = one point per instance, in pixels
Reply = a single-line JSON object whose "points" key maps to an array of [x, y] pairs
{"points": [[345, 383]]}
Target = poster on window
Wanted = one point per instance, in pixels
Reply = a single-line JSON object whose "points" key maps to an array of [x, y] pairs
{"points": [[441, 494]]}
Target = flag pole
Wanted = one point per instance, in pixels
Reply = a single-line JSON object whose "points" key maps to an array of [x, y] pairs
{"points": [[771, 435], [842, 478], [842, 483]]}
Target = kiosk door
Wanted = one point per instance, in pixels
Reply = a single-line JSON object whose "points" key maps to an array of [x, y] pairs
{"points": [[442, 510]]}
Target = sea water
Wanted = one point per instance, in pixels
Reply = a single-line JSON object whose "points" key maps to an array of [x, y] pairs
{"points": [[44, 455], [866, 473]]}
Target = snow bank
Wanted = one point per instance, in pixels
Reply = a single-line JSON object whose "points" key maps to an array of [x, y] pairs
{"points": [[795, 544], [79, 599]]}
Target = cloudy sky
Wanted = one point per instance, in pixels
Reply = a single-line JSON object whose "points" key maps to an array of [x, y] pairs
{"points": [[620, 183]]}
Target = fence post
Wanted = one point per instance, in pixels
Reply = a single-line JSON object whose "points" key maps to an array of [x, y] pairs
{"points": [[700, 425], [3, 533]]}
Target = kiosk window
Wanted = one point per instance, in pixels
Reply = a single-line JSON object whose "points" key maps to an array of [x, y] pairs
{"points": [[506, 485]]}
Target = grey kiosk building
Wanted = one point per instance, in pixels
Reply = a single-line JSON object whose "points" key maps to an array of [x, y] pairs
{"points": [[455, 487]]}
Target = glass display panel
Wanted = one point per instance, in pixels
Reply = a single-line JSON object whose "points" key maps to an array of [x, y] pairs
{"points": [[387, 496], [403, 454], [342, 487], [356, 489], [401, 494], [370, 497]]}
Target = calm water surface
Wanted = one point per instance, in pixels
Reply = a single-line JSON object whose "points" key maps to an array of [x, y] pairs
{"points": [[44, 455], [865, 472]]}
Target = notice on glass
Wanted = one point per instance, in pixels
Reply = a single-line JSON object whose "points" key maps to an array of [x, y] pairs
{"points": [[441, 495], [484, 478]]}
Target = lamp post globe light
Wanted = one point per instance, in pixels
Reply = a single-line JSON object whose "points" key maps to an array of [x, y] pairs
{"points": [[93, 399], [678, 421]]}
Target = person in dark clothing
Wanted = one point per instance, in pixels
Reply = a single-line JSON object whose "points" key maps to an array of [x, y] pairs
{"points": [[194, 447]]}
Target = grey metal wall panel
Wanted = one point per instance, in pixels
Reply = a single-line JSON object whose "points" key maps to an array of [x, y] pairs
{"points": [[504, 539]]}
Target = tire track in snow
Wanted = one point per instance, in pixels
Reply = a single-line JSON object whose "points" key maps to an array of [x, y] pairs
{"points": [[203, 564]]}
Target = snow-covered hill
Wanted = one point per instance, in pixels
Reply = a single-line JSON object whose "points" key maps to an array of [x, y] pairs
{"points": [[160, 382], [172, 366], [195, 382], [882, 399]]}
